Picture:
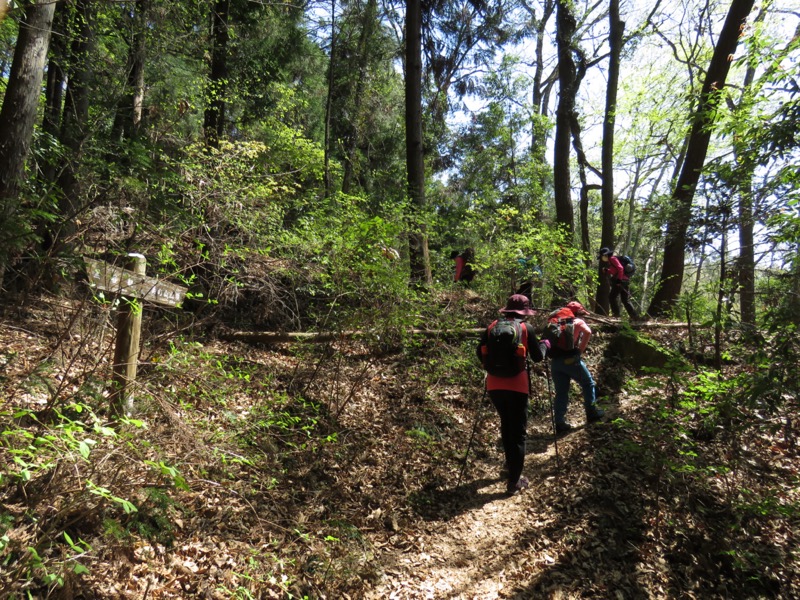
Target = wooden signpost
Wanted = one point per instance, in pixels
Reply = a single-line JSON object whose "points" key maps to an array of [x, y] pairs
{"points": [[134, 287]]}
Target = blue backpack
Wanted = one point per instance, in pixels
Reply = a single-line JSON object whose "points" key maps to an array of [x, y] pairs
{"points": [[627, 265]]}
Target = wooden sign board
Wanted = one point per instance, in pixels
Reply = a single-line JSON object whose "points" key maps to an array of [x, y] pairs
{"points": [[109, 278]]}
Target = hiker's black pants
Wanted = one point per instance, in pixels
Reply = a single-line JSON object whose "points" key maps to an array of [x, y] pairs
{"points": [[513, 410], [620, 291]]}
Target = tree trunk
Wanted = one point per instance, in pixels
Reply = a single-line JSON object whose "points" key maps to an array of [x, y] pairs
{"points": [[746, 208], [329, 103], [364, 46], [74, 127], [539, 122], [415, 164], [583, 162], [18, 115], [671, 277], [746, 267], [128, 119], [565, 26], [214, 118], [538, 131], [56, 74], [616, 30]]}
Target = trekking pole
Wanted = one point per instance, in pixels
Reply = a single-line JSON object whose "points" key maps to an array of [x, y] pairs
{"points": [[478, 416], [553, 416]]}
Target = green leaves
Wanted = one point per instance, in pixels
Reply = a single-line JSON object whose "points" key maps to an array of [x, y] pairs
{"points": [[106, 494]]}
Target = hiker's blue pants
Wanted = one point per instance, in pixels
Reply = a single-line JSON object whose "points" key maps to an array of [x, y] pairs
{"points": [[513, 410], [564, 370]]}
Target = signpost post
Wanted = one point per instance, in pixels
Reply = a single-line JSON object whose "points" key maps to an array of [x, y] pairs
{"points": [[134, 287]]}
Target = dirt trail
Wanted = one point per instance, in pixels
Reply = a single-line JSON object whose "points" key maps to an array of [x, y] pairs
{"points": [[482, 550]]}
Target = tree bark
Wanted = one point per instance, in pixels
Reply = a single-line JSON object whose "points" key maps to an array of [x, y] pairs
{"points": [[128, 119], [56, 73], [671, 277], [18, 115], [565, 30], [329, 103], [615, 36], [415, 164], [74, 127], [354, 135], [214, 118]]}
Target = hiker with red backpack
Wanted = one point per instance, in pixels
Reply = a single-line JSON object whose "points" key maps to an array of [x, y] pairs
{"points": [[504, 350], [568, 335], [620, 282]]}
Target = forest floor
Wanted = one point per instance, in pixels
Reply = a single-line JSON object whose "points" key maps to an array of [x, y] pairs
{"points": [[258, 472]]}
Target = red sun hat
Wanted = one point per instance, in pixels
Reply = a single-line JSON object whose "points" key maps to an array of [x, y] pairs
{"points": [[577, 308]]}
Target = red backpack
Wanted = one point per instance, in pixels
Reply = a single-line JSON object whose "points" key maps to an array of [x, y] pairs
{"points": [[560, 329]]}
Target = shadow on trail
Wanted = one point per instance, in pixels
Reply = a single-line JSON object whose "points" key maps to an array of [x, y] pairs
{"points": [[623, 520], [433, 503]]}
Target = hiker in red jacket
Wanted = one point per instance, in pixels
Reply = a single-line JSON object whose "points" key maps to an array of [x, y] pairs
{"points": [[465, 270], [509, 394], [620, 283]]}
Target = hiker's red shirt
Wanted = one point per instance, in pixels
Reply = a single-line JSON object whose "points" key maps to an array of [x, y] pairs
{"points": [[583, 334], [518, 382], [460, 262], [615, 269]]}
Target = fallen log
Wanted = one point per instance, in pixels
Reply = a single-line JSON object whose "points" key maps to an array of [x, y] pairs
{"points": [[275, 337], [283, 337]]}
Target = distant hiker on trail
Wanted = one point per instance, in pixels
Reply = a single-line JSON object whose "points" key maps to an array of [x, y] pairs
{"points": [[529, 276], [504, 350], [568, 336], [465, 270], [620, 282]]}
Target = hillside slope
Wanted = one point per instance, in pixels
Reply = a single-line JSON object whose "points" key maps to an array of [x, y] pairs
{"points": [[332, 471]]}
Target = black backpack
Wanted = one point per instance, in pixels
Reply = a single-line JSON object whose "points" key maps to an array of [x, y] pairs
{"points": [[627, 265], [505, 352]]}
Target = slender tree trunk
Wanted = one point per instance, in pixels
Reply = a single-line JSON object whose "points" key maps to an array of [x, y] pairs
{"points": [[672, 269], [329, 104], [538, 131], [74, 127], [56, 74], [128, 119], [702, 259], [721, 314], [18, 114], [415, 164], [566, 26], [364, 47], [747, 261], [615, 35], [746, 206], [214, 118], [539, 124], [583, 163]]}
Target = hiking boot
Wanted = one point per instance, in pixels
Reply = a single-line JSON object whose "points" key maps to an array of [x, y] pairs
{"points": [[513, 488], [594, 414], [564, 427]]}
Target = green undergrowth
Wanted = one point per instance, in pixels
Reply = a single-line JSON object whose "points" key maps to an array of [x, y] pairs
{"points": [[716, 458], [275, 471]]}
